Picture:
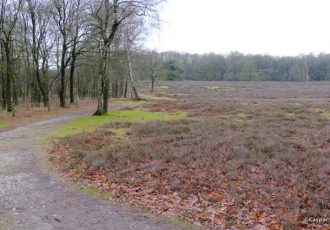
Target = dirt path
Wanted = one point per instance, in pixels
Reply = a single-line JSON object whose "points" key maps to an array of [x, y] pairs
{"points": [[31, 198]]}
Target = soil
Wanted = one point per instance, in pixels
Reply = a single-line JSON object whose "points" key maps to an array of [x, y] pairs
{"points": [[33, 197]]}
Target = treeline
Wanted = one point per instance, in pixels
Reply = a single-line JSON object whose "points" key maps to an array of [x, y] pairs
{"points": [[70, 49], [80, 48], [238, 67]]}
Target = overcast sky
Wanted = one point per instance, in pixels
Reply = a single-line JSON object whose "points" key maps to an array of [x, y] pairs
{"points": [[276, 27]]}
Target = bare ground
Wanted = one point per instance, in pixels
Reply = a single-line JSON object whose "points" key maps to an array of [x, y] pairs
{"points": [[32, 198]]}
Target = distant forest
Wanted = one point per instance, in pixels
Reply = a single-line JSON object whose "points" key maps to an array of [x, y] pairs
{"points": [[73, 49], [236, 67]]}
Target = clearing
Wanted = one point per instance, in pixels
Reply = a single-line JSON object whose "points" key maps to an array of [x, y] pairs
{"points": [[254, 156]]}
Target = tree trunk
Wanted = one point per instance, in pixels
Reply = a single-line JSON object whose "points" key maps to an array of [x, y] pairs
{"points": [[105, 95], [125, 90], [3, 91], [8, 79], [152, 84], [130, 74], [102, 106], [72, 69], [62, 72], [46, 101], [15, 95]]}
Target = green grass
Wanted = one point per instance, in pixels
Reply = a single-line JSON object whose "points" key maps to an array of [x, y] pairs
{"points": [[124, 102], [153, 97], [90, 123], [325, 113], [96, 192], [3, 124]]}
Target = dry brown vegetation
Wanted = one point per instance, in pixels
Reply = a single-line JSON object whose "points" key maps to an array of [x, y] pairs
{"points": [[236, 162]]}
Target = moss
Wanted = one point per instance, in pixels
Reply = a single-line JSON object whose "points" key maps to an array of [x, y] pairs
{"points": [[90, 123], [96, 192], [325, 113], [153, 97], [181, 222], [176, 94], [290, 117], [120, 132], [3, 124], [223, 88], [124, 102], [296, 104], [162, 87], [238, 117], [4, 225]]}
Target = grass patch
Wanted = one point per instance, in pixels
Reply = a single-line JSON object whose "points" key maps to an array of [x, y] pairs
{"points": [[162, 87], [120, 132], [224, 88], [238, 118], [96, 192], [153, 97], [124, 102], [289, 117], [4, 225], [3, 124], [325, 113], [91, 123]]}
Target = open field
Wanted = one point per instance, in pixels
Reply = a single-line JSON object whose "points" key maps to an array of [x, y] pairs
{"points": [[247, 155]]}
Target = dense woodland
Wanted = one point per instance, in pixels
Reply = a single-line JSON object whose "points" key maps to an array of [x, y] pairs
{"points": [[70, 48], [238, 67], [73, 49]]}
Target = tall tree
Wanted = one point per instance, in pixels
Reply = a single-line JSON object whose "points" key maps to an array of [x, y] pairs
{"points": [[132, 31], [8, 17], [109, 15], [149, 63], [65, 17], [39, 18], [80, 30]]}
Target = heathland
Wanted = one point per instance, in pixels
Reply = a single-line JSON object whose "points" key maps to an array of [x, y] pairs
{"points": [[216, 154]]}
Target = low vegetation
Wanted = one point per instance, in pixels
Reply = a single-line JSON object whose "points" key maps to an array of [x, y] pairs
{"points": [[235, 163], [3, 124], [90, 123]]}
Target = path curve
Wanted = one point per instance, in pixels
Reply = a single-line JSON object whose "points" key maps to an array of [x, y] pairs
{"points": [[31, 198]]}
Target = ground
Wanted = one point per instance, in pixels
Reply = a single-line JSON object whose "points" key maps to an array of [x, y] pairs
{"points": [[26, 113], [246, 155], [221, 155], [33, 198]]}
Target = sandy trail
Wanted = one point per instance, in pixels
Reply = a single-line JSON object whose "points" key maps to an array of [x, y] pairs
{"points": [[32, 198]]}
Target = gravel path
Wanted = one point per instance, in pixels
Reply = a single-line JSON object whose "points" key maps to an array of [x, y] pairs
{"points": [[32, 198]]}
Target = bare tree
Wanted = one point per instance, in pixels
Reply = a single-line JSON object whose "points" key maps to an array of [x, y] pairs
{"points": [[8, 17], [133, 29], [80, 30], [154, 68], [64, 17], [38, 34], [39, 17], [150, 64], [109, 15]]}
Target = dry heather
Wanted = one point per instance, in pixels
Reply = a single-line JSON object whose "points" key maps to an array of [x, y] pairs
{"points": [[231, 164]]}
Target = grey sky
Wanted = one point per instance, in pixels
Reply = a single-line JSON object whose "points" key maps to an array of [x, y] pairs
{"points": [[276, 27]]}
